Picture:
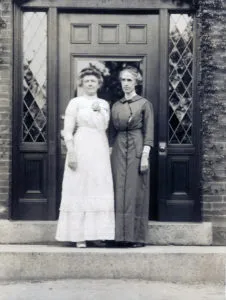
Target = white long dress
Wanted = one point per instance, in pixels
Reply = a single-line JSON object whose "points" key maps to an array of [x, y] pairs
{"points": [[87, 202]]}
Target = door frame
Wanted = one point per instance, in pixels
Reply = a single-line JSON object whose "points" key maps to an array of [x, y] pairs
{"points": [[53, 9]]}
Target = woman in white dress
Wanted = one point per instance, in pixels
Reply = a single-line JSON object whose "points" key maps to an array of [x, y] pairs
{"points": [[87, 202]]}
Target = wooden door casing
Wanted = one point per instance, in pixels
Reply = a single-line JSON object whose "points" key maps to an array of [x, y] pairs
{"points": [[167, 203]]}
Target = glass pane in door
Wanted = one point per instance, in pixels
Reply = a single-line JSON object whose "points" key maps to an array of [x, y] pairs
{"points": [[180, 79], [34, 77]]}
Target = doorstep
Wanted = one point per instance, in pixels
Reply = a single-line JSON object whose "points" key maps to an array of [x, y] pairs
{"points": [[180, 264]]}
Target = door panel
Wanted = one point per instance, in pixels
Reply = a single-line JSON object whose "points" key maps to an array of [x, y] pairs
{"points": [[109, 41], [33, 190], [178, 146], [30, 199]]}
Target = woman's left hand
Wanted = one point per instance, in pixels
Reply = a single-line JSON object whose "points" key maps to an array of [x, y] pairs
{"points": [[96, 106], [144, 163]]}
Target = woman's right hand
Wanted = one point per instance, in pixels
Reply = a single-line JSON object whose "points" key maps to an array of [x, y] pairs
{"points": [[72, 162], [144, 164]]}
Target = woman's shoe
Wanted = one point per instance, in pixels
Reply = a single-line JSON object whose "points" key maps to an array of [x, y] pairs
{"points": [[97, 243], [81, 244], [122, 244]]}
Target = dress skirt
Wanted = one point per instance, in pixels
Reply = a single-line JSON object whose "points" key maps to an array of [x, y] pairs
{"points": [[87, 203]]}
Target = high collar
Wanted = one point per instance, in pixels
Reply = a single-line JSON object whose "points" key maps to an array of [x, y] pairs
{"points": [[133, 99], [128, 97], [90, 97]]}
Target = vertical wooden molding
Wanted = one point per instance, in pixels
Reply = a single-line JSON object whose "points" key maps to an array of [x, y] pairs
{"points": [[16, 110], [197, 120], [163, 110], [164, 62], [52, 85]]}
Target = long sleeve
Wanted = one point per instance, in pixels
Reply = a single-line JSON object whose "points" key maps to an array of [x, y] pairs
{"points": [[148, 124], [69, 124]]}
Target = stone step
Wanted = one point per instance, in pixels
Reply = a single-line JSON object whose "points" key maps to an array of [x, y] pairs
{"points": [[160, 233], [180, 264]]}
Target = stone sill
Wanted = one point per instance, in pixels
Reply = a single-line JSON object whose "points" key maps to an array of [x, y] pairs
{"points": [[159, 233]]}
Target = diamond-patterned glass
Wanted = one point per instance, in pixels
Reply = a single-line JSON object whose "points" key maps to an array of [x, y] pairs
{"points": [[180, 78], [34, 77]]}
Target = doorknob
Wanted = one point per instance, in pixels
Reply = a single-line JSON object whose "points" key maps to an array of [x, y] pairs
{"points": [[162, 148]]}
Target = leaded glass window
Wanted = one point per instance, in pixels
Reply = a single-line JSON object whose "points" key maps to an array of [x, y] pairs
{"points": [[180, 79], [34, 77]]}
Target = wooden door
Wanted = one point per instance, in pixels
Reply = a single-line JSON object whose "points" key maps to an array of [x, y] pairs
{"points": [[109, 41]]}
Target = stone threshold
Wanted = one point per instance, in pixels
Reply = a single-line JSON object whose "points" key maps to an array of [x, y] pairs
{"points": [[159, 233], [219, 234]]}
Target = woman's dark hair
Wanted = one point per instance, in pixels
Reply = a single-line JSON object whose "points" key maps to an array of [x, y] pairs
{"points": [[92, 70]]}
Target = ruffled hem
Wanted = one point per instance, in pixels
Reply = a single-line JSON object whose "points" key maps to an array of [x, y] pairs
{"points": [[74, 227]]}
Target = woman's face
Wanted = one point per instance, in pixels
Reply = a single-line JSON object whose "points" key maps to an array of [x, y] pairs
{"points": [[128, 82], [90, 84]]}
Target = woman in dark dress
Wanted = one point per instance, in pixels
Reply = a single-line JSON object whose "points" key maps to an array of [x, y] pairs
{"points": [[132, 123]]}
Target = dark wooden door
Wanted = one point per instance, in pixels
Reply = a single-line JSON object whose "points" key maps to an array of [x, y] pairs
{"points": [[109, 41]]}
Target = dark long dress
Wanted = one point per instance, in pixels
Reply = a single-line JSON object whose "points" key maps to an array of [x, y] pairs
{"points": [[132, 123]]}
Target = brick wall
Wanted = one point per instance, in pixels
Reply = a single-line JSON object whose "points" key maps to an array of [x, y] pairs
{"points": [[214, 144], [5, 103]]}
